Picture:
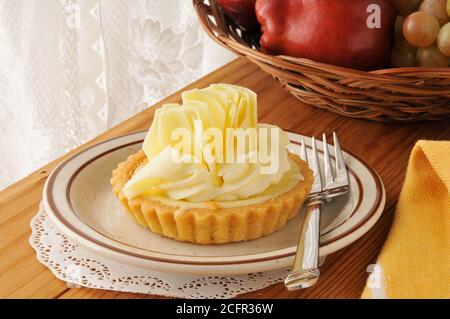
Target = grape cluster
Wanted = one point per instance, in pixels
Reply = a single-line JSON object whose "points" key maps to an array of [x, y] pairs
{"points": [[422, 34]]}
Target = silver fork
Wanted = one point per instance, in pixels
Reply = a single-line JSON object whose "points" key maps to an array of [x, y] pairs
{"points": [[305, 272]]}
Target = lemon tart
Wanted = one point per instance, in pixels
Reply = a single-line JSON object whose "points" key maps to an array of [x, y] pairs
{"points": [[209, 173]]}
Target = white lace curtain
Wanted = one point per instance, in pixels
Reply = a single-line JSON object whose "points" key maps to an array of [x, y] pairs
{"points": [[70, 69]]}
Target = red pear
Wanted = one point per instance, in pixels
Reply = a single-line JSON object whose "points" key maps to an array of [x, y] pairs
{"points": [[355, 34]]}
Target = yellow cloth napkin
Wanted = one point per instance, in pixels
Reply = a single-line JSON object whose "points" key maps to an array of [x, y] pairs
{"points": [[415, 260]]}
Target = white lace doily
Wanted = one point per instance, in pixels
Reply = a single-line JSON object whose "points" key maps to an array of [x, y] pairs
{"points": [[79, 267]]}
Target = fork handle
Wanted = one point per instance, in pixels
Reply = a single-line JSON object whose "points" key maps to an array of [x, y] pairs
{"points": [[306, 266]]}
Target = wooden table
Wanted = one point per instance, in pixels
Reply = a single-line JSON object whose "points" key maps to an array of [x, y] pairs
{"points": [[385, 146]]}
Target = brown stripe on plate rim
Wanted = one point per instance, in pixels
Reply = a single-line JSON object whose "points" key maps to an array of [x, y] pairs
{"points": [[137, 255]]}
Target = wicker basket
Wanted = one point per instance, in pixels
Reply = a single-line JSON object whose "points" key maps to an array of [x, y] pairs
{"points": [[400, 94]]}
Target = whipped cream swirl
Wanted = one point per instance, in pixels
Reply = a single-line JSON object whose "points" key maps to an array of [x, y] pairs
{"points": [[194, 177]]}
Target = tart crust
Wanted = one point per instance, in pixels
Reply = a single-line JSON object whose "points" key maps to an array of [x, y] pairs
{"points": [[211, 225]]}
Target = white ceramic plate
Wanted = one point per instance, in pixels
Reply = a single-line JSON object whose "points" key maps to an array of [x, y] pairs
{"points": [[79, 200]]}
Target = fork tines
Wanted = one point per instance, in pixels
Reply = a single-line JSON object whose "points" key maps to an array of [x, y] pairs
{"points": [[338, 178]]}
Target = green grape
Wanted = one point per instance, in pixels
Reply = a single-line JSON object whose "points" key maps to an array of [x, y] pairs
{"points": [[399, 27], [403, 55], [430, 56], [436, 8], [406, 7], [420, 29], [443, 40]]}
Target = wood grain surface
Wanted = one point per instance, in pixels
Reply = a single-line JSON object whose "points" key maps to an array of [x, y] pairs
{"points": [[385, 146]]}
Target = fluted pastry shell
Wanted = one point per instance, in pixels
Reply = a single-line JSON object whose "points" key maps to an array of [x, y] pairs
{"points": [[211, 224]]}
